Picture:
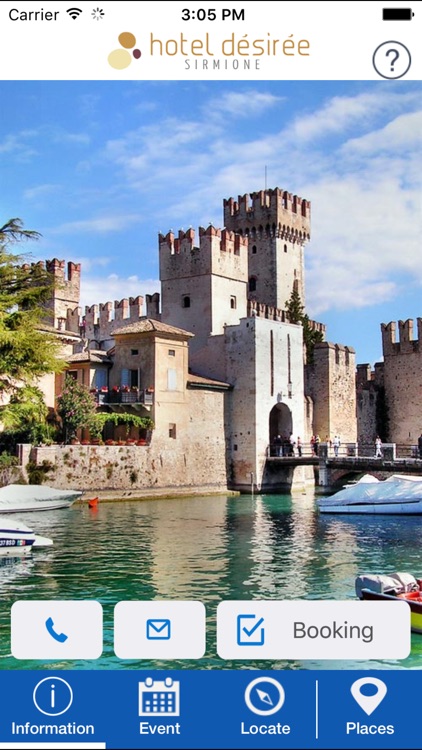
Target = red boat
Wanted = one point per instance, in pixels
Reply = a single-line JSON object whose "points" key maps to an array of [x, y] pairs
{"points": [[391, 587]]}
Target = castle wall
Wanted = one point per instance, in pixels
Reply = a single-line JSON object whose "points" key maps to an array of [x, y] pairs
{"points": [[194, 460], [369, 402], [330, 382], [100, 320], [403, 380]]}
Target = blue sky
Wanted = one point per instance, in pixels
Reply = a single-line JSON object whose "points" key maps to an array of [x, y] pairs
{"points": [[100, 167]]}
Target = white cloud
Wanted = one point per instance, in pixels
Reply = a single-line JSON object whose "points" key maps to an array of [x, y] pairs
{"points": [[404, 133], [241, 104], [345, 113], [40, 191], [100, 225], [363, 181]]}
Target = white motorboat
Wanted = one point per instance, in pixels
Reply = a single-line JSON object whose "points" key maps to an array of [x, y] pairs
{"points": [[18, 498], [400, 494], [18, 539]]}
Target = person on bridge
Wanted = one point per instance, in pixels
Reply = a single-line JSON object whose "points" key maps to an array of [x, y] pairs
{"points": [[420, 445], [278, 446], [336, 445], [378, 447]]}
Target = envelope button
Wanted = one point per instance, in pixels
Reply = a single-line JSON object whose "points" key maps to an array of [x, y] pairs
{"points": [[159, 629]]}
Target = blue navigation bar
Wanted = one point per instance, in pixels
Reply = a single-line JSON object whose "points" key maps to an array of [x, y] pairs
{"points": [[210, 709]]}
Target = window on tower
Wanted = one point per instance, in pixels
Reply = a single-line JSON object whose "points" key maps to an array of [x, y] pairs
{"points": [[252, 284], [186, 300], [233, 303], [253, 249]]}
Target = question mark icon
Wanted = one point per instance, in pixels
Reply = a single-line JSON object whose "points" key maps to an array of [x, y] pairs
{"points": [[395, 58], [391, 59]]}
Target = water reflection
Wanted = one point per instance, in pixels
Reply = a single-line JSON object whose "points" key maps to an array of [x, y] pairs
{"points": [[208, 548]]}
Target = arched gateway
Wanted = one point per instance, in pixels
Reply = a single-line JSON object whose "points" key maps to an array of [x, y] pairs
{"points": [[281, 422]]}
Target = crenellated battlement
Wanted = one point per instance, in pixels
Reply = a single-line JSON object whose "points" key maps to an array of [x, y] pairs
{"points": [[269, 213], [259, 310], [74, 320], [220, 251], [334, 354], [406, 343], [100, 319]]}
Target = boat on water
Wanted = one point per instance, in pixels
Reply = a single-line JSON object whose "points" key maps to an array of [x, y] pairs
{"points": [[392, 587], [397, 495], [18, 498], [17, 539]]}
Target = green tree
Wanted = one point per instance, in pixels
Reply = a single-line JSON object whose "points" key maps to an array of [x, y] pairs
{"points": [[296, 314], [26, 414], [76, 408], [26, 352]]}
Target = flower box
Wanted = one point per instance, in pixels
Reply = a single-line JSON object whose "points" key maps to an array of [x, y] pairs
{"points": [[110, 442]]}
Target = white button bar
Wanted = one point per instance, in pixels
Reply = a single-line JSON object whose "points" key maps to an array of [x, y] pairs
{"points": [[159, 630], [313, 630]]}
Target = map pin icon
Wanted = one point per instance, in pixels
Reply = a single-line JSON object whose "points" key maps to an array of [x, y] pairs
{"points": [[369, 703]]}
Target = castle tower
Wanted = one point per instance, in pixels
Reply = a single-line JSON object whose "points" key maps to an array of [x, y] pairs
{"points": [[203, 288], [66, 292], [403, 379], [277, 225]]}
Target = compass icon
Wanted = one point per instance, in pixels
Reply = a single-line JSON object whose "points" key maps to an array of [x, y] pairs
{"points": [[264, 696]]}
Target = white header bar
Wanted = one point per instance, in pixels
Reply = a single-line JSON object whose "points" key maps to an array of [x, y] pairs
{"points": [[209, 41]]}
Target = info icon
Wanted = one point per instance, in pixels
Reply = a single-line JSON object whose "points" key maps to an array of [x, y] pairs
{"points": [[264, 696], [52, 696]]}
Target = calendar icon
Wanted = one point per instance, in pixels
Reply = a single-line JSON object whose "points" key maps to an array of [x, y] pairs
{"points": [[159, 697]]}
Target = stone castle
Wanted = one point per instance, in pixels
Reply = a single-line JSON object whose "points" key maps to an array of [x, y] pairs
{"points": [[389, 398], [213, 358]]}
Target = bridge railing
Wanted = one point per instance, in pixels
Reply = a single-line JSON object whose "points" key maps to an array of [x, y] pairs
{"points": [[388, 451]]}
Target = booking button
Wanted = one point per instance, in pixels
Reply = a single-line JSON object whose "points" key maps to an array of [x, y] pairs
{"points": [[313, 630]]}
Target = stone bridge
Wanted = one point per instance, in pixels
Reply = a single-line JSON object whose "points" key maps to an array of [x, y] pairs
{"points": [[331, 470]]}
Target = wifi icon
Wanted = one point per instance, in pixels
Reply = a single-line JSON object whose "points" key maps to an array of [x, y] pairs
{"points": [[74, 12]]}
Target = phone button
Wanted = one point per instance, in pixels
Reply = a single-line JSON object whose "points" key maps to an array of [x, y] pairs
{"points": [[57, 629]]}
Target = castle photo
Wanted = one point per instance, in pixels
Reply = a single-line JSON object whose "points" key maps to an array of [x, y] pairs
{"points": [[214, 360]]}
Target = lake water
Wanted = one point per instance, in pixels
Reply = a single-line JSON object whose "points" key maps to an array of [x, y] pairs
{"points": [[209, 549]]}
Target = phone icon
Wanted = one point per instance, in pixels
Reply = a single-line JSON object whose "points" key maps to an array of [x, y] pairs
{"points": [[60, 637]]}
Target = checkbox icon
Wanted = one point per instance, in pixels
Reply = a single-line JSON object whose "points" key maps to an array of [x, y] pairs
{"points": [[250, 631]]}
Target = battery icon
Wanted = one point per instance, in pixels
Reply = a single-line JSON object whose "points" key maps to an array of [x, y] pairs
{"points": [[397, 14]]}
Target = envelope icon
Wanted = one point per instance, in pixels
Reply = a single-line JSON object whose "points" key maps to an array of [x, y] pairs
{"points": [[158, 630]]}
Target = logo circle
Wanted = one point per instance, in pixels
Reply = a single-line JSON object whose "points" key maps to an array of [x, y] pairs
{"points": [[52, 680], [273, 708]]}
